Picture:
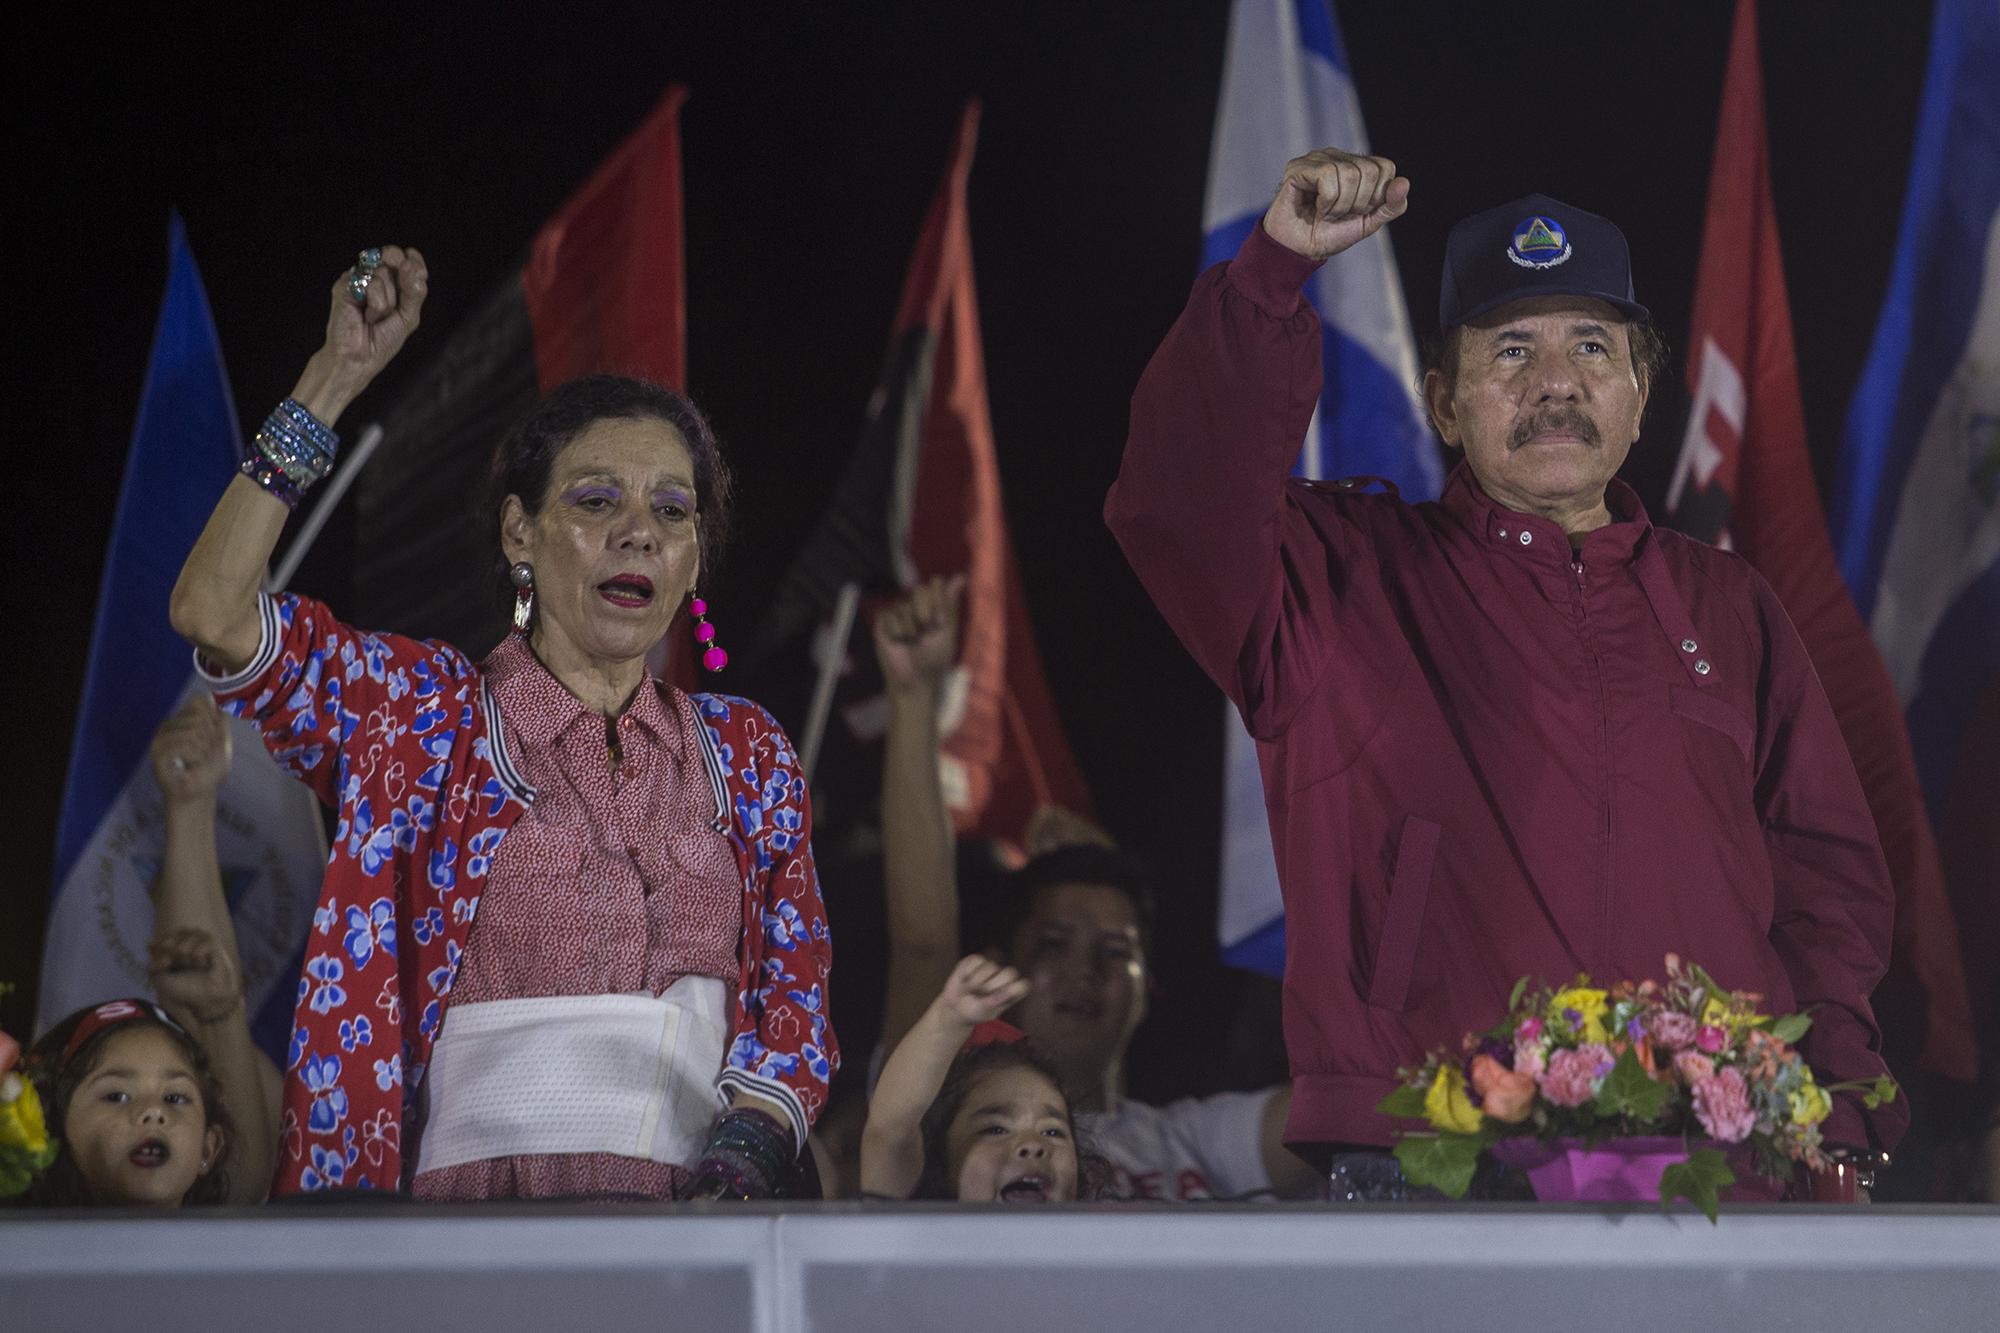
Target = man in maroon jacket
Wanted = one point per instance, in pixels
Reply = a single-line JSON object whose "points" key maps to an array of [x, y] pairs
{"points": [[1518, 731]]}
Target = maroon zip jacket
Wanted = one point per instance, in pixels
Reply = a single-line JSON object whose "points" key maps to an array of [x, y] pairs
{"points": [[1482, 760]]}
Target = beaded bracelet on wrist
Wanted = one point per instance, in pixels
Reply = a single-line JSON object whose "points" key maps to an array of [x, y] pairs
{"points": [[749, 1155], [291, 452], [273, 479]]}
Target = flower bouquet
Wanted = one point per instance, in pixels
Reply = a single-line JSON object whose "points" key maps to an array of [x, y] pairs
{"points": [[25, 1150], [1664, 1078]]}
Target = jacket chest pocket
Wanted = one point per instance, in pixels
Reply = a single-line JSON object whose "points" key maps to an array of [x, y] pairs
{"points": [[1402, 924], [1710, 711]]}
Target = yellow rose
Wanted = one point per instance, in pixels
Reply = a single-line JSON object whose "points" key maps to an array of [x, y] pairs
{"points": [[21, 1116], [1447, 1107], [1810, 1104], [1589, 1005]]}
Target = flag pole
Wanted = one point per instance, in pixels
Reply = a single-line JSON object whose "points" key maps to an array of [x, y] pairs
{"points": [[844, 611], [343, 477]]}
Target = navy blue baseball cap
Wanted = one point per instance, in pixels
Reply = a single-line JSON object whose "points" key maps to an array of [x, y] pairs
{"points": [[1534, 246]]}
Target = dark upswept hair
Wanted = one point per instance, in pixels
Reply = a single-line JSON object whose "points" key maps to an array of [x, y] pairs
{"points": [[1078, 863], [56, 1081], [527, 454], [1440, 353], [967, 1068]]}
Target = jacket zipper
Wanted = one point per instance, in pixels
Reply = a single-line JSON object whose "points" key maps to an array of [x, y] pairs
{"points": [[1604, 893]]}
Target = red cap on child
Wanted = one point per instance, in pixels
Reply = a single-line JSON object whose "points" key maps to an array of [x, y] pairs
{"points": [[110, 1014], [996, 1031]]}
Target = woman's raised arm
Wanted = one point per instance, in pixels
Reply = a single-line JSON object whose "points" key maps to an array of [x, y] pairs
{"points": [[215, 601]]}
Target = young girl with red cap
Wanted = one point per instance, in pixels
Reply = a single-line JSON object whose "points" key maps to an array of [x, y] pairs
{"points": [[958, 1117]]}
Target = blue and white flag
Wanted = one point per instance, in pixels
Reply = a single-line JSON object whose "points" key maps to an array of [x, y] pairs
{"points": [[111, 833], [1917, 513], [1286, 90]]}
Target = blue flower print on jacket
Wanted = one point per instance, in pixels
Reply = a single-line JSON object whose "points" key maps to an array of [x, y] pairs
{"points": [[371, 930], [429, 926], [783, 926], [325, 972], [329, 1099], [479, 858], [443, 876], [356, 1032], [389, 1072]]}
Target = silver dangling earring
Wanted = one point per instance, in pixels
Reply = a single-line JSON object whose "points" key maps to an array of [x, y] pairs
{"points": [[522, 574]]}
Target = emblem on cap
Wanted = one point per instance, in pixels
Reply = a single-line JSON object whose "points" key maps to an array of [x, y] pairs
{"points": [[1539, 242]]}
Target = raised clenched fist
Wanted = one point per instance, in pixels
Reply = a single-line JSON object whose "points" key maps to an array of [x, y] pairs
{"points": [[191, 750], [363, 337], [1330, 200], [916, 639], [193, 975]]}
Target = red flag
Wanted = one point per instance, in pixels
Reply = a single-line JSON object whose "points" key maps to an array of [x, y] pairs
{"points": [[1007, 750], [921, 497], [605, 284], [1745, 479], [602, 290]]}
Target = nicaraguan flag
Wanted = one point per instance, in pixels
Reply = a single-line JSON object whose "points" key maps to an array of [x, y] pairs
{"points": [[1917, 516], [1286, 90], [111, 832]]}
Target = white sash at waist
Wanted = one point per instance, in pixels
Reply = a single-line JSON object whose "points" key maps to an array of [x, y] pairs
{"points": [[627, 1074]]}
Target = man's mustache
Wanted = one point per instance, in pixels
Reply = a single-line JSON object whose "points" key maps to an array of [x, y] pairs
{"points": [[1568, 420]]}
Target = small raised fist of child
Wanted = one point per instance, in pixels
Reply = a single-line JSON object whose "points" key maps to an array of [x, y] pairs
{"points": [[191, 750], [193, 976]]}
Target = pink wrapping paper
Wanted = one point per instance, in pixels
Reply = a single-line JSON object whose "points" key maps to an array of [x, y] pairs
{"points": [[1616, 1170]]}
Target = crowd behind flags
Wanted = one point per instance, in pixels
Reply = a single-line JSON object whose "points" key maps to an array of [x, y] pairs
{"points": [[1286, 90], [111, 832], [1917, 511], [1744, 479]]}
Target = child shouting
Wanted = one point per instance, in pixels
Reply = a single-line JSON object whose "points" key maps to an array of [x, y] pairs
{"points": [[984, 1124]]}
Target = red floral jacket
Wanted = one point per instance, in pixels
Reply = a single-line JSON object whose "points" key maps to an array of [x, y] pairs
{"points": [[406, 741]]}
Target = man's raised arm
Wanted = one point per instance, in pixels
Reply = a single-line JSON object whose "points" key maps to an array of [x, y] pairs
{"points": [[1218, 418]]}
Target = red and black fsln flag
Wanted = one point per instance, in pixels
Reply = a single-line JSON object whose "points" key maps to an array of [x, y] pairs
{"points": [[921, 497], [603, 291]]}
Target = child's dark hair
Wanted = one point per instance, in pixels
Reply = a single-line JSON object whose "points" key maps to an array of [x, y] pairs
{"points": [[57, 1079], [1080, 863], [966, 1070]]}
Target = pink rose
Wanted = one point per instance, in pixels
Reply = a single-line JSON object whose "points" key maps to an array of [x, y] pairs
{"points": [[1722, 1104], [1528, 1058], [1711, 1038], [1567, 1081], [1505, 1094], [1674, 1031], [1693, 1067], [1530, 1029]]}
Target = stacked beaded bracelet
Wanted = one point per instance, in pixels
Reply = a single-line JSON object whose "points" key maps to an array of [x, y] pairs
{"points": [[749, 1156], [291, 452]]}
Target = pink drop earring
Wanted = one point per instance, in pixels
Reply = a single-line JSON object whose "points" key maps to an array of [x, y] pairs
{"points": [[704, 633]]}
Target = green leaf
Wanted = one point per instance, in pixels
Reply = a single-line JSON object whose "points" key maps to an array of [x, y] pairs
{"points": [[1627, 1090], [1699, 1180], [1405, 1103], [1442, 1161], [1520, 989], [1791, 1027]]}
